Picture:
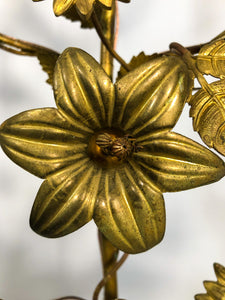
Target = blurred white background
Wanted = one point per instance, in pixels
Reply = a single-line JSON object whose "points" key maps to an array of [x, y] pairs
{"points": [[36, 268]]}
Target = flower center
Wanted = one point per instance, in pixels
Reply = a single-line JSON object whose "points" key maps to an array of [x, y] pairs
{"points": [[110, 148]]}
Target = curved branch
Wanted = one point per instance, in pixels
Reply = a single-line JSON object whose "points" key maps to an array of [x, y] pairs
{"points": [[106, 42], [114, 269]]}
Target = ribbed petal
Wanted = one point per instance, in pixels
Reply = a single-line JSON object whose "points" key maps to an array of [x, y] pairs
{"points": [[41, 141], [65, 201], [177, 163], [84, 93], [152, 97], [130, 210], [60, 6], [84, 7]]}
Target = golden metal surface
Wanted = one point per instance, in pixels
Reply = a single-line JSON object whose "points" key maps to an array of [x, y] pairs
{"points": [[84, 7], [215, 290], [211, 59], [207, 105], [126, 200], [208, 113]]}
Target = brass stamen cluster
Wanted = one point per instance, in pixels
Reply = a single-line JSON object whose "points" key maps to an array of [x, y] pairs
{"points": [[121, 147]]}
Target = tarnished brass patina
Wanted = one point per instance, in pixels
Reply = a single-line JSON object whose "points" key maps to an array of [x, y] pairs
{"points": [[215, 290], [125, 199], [84, 7]]}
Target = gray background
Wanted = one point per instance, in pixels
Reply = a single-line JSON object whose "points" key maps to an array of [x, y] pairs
{"points": [[35, 268]]}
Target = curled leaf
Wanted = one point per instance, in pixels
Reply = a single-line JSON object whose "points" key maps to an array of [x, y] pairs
{"points": [[211, 59], [208, 113], [215, 290]]}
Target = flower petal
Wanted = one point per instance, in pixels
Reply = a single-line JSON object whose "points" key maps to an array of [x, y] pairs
{"points": [[85, 7], [129, 210], [65, 201], [60, 6], [177, 163], [152, 96], [84, 93], [41, 141]]}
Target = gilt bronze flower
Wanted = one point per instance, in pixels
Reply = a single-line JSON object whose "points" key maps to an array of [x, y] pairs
{"points": [[84, 7], [107, 151]]}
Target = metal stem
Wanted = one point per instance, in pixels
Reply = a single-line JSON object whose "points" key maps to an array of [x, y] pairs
{"points": [[105, 34], [109, 253]]}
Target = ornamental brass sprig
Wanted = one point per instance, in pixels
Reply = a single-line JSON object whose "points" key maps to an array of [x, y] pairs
{"points": [[208, 104], [107, 152]]}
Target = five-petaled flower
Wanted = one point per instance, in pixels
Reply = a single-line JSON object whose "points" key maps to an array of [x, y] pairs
{"points": [[75, 148], [84, 7]]}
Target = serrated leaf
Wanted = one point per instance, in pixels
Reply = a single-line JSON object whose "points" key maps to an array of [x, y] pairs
{"points": [[208, 113], [48, 61], [46, 56], [135, 62], [220, 273], [215, 290], [211, 59]]}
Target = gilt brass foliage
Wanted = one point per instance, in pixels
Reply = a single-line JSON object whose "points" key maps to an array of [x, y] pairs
{"points": [[211, 59], [208, 113], [123, 197], [215, 290]]}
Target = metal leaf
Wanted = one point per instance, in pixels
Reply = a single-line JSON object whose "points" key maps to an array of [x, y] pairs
{"points": [[215, 290], [208, 113], [211, 59], [46, 56]]}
